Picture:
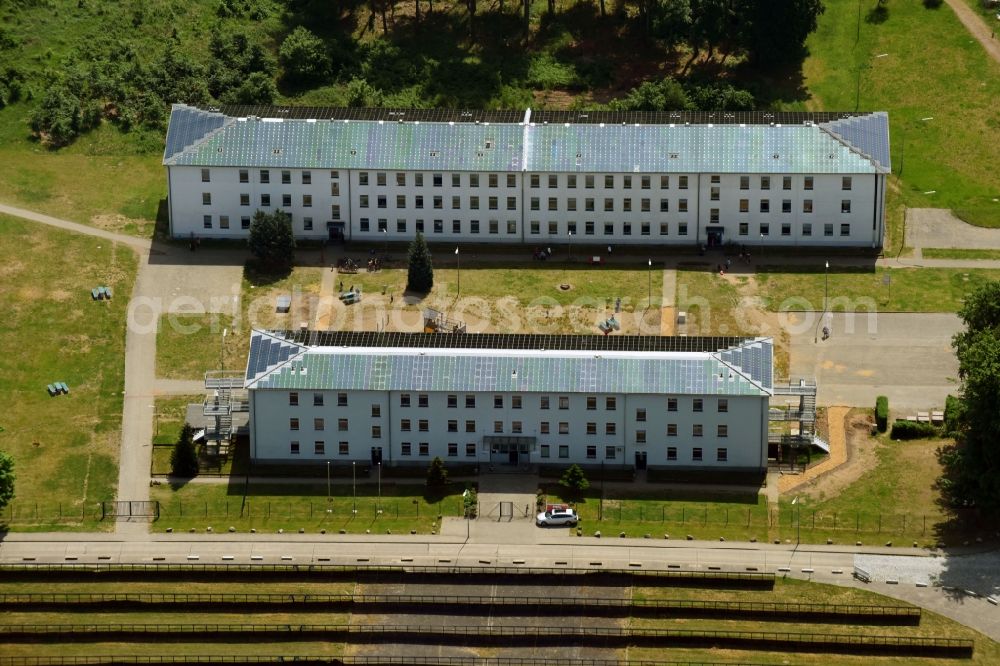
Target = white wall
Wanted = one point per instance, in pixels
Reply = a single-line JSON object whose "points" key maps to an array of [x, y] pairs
{"points": [[746, 421], [542, 227]]}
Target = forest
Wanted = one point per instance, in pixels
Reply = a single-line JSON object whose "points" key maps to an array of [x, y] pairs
{"points": [[83, 62]]}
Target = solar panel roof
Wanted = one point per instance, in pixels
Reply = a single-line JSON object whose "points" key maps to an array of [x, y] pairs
{"points": [[430, 362], [637, 343], [431, 140]]}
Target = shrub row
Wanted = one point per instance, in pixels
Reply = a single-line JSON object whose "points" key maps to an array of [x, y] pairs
{"points": [[882, 413], [903, 429]]}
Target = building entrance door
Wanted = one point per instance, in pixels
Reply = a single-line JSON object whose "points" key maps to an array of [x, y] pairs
{"points": [[640, 460], [714, 236], [376, 455], [512, 457]]}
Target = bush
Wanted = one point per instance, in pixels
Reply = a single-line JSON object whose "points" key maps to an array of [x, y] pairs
{"points": [[952, 415], [470, 502], [574, 480], [882, 413], [437, 475], [912, 430]]}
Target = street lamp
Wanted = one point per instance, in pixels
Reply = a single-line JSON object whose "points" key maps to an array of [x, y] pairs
{"points": [[569, 248], [385, 232], [649, 274], [826, 298], [354, 485], [378, 504], [222, 350], [458, 259], [328, 498], [798, 520]]}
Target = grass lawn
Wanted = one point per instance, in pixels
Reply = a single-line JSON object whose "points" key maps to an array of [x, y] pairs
{"points": [[169, 416], [65, 448], [106, 179], [933, 69], [957, 253], [894, 500], [912, 289], [269, 507], [790, 590], [188, 345]]}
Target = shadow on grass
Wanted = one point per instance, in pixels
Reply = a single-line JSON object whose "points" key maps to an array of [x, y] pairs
{"points": [[259, 275]]}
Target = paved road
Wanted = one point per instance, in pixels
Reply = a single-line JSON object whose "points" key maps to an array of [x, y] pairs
{"points": [[905, 356], [554, 548]]}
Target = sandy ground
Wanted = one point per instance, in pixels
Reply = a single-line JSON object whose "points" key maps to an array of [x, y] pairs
{"points": [[851, 454]]}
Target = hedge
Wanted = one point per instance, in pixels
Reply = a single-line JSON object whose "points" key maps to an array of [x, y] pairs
{"points": [[903, 429], [882, 413], [952, 412]]}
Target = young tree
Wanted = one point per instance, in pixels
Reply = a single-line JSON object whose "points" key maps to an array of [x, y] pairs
{"points": [[437, 475], [184, 458], [972, 464], [271, 239], [7, 478], [420, 276], [574, 480], [303, 56]]}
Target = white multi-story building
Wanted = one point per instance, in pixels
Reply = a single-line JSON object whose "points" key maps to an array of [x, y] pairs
{"points": [[487, 399], [539, 178]]}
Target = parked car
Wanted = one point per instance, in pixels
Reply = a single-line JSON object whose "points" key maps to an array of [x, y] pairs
{"points": [[557, 517]]}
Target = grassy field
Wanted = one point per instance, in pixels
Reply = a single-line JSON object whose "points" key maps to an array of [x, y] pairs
{"points": [[932, 69], [957, 253], [65, 448], [895, 499], [268, 507], [189, 345], [910, 289], [790, 590]]}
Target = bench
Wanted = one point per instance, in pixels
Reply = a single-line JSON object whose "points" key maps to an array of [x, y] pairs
{"points": [[62, 387], [107, 293], [53, 391], [95, 294]]}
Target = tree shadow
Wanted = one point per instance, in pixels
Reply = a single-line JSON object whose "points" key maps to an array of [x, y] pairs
{"points": [[260, 275], [877, 15]]}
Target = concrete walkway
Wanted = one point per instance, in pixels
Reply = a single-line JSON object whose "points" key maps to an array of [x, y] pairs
{"points": [[668, 309], [178, 387]]}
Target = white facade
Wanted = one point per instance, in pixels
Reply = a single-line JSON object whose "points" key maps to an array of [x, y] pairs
{"points": [[676, 209], [816, 189], [297, 417]]}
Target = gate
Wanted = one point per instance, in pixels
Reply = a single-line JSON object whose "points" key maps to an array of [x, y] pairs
{"points": [[125, 509]]}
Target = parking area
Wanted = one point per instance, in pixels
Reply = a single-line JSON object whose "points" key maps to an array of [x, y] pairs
{"points": [[905, 356], [938, 227]]}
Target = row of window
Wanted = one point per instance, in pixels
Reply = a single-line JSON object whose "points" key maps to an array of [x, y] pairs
{"points": [[535, 180], [516, 427], [423, 450], [437, 202], [436, 179], [764, 229], [500, 401]]}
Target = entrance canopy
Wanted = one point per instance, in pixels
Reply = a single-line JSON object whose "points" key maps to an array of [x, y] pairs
{"points": [[507, 444]]}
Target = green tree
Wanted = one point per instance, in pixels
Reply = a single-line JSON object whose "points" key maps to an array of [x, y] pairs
{"points": [[574, 479], [303, 57], [271, 239], [420, 274], [757, 33], [972, 464], [665, 95], [437, 475], [7, 478], [184, 457]]}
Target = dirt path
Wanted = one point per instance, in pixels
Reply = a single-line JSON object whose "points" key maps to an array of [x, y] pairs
{"points": [[975, 24], [838, 452]]}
